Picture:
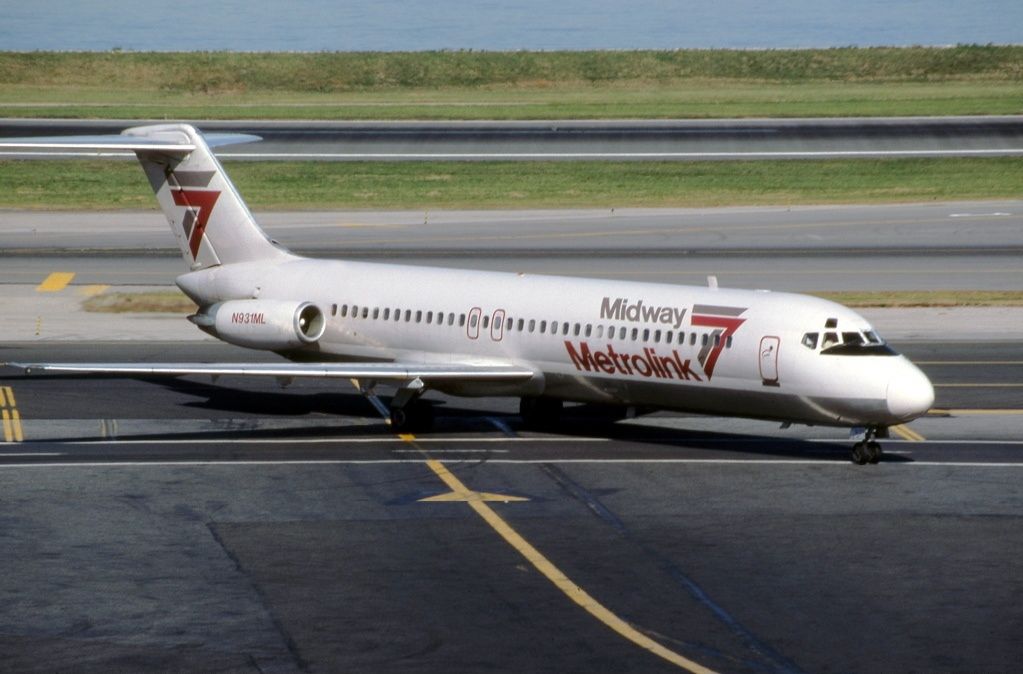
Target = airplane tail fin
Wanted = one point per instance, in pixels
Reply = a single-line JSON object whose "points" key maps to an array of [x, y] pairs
{"points": [[208, 217]]}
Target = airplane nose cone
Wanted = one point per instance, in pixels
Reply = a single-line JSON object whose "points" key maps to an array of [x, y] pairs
{"points": [[910, 393]]}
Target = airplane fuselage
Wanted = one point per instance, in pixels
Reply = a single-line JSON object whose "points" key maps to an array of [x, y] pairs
{"points": [[694, 349]]}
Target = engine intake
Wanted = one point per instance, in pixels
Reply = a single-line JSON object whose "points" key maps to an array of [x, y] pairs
{"points": [[266, 324]]}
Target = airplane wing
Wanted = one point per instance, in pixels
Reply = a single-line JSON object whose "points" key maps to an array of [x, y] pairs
{"points": [[393, 372]]}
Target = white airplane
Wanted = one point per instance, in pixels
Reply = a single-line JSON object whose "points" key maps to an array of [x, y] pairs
{"points": [[545, 339]]}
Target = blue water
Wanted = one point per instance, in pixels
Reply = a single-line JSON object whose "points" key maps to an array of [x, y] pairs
{"points": [[388, 25]]}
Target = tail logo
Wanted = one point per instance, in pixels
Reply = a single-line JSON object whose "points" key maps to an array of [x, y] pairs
{"points": [[726, 320], [200, 206]]}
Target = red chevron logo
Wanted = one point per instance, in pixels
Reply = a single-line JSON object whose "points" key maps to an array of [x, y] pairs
{"points": [[200, 204]]}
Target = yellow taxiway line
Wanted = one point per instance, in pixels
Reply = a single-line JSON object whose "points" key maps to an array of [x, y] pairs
{"points": [[907, 433], [477, 501], [9, 416]]}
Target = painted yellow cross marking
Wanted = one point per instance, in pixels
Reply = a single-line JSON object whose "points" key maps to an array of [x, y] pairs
{"points": [[55, 282], [559, 579], [9, 416]]}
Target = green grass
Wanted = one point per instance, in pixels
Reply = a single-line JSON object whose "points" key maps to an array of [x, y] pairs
{"points": [[515, 85], [103, 185]]}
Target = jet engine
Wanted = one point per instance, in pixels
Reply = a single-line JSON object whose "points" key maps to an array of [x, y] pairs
{"points": [[264, 324]]}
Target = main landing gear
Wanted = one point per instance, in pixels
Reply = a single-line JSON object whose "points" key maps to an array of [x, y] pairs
{"points": [[867, 450]]}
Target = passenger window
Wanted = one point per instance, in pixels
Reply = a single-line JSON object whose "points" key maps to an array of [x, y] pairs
{"points": [[333, 310], [728, 342], [486, 322], [830, 339], [419, 316], [521, 321], [376, 313], [600, 332], [554, 327], [810, 340], [429, 317], [564, 328], [365, 312], [543, 327], [692, 339], [497, 322], [657, 336], [611, 332], [589, 330], [635, 334], [703, 340], [667, 337], [472, 321], [646, 335], [461, 320], [355, 311], [387, 314], [344, 310], [532, 324], [408, 315]]}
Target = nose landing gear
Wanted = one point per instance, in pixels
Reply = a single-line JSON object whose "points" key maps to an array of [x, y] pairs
{"points": [[868, 450]]}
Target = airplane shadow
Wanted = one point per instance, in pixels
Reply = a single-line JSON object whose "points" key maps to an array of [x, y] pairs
{"points": [[452, 418]]}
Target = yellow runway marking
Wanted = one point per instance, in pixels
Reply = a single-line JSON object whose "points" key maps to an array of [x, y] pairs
{"points": [[559, 579], [406, 437], [907, 433], [55, 282], [10, 417]]}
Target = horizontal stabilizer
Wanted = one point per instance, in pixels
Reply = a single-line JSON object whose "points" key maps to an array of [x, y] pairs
{"points": [[125, 142]]}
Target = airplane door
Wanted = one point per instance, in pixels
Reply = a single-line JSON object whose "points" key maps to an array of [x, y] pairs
{"points": [[497, 326], [769, 360], [472, 326]]}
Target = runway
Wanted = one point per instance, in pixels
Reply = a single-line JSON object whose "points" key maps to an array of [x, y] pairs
{"points": [[627, 140], [231, 525]]}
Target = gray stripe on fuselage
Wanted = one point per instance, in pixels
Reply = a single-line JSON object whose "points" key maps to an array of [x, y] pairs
{"points": [[717, 311]]}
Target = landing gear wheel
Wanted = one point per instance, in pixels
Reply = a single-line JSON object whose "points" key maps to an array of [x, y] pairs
{"points": [[860, 454], [873, 452], [415, 416]]}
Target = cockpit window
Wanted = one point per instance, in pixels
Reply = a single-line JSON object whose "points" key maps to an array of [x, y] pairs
{"points": [[872, 337], [852, 338], [860, 350], [810, 340], [830, 339]]}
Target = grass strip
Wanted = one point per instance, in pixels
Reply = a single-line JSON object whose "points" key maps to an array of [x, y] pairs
{"points": [[174, 302], [147, 302], [106, 185], [965, 79]]}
